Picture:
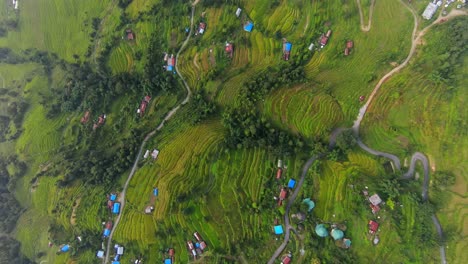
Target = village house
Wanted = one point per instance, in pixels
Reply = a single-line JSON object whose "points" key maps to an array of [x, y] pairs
{"points": [[248, 26], [85, 118], [429, 11], [201, 28], [229, 49], [238, 12], [287, 46], [130, 34], [373, 227], [278, 173], [144, 103]]}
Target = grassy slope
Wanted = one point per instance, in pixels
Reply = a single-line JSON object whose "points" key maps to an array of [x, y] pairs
{"points": [[58, 26], [413, 115]]}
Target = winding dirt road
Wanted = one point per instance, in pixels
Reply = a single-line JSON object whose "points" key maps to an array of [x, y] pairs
{"points": [[151, 134], [367, 27], [416, 39]]}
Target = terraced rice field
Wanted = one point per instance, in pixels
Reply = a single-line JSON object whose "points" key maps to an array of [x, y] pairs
{"points": [[300, 109], [352, 76], [201, 187], [413, 112], [45, 24]]}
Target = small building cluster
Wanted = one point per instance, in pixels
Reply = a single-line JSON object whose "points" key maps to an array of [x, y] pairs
{"points": [[324, 38], [100, 121], [119, 250], [201, 28], [336, 232], [107, 229], [197, 248], [144, 103], [349, 47], [154, 154], [170, 60], [374, 204]]}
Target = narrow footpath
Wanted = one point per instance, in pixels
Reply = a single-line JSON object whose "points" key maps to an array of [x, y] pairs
{"points": [[151, 134]]}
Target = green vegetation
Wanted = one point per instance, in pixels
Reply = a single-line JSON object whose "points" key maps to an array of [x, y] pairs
{"points": [[419, 109], [218, 154]]}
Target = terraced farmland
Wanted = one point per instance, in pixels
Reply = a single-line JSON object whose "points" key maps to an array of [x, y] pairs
{"points": [[58, 26], [415, 110], [312, 115]]}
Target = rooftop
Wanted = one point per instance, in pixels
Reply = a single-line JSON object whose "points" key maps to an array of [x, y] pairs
{"points": [[278, 229], [249, 26], [291, 183], [321, 231]]}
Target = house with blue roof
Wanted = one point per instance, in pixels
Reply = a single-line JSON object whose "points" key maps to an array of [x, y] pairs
{"points": [[168, 261], [287, 46], [113, 196], [65, 248], [155, 191], [106, 232], [291, 183], [116, 208], [100, 254], [248, 26], [278, 230]]}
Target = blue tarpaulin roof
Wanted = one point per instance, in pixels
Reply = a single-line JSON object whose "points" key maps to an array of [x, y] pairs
{"points": [[288, 46], [106, 232], [116, 208], [115, 262], [291, 183], [65, 248], [248, 27], [168, 261], [278, 229], [155, 191], [169, 68], [113, 197]]}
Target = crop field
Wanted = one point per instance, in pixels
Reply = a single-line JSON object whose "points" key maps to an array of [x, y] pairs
{"points": [[417, 113], [349, 77], [300, 109], [201, 188], [58, 26]]}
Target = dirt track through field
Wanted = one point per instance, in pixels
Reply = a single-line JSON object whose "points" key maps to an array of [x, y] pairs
{"points": [[367, 27], [151, 134]]}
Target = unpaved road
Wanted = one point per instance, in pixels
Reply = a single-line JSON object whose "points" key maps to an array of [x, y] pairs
{"points": [[152, 133], [416, 38], [367, 27], [288, 208]]}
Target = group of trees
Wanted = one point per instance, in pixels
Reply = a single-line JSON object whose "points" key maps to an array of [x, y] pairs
{"points": [[247, 127], [200, 107], [10, 211]]}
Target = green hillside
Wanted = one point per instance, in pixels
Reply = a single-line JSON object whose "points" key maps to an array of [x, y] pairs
{"points": [[73, 74]]}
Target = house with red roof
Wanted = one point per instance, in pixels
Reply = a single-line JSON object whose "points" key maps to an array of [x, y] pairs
{"points": [[373, 227]]}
